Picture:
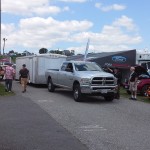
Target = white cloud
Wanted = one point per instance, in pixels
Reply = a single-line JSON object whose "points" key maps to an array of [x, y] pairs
{"points": [[66, 8], [46, 10], [30, 7], [115, 7], [52, 25], [98, 5], [7, 28], [126, 22], [36, 32], [79, 1], [111, 38], [106, 40]]}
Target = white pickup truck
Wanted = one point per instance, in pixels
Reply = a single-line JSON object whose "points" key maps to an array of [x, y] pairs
{"points": [[83, 78]]}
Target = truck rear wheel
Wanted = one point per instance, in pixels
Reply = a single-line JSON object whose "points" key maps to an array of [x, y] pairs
{"points": [[50, 85], [77, 93]]}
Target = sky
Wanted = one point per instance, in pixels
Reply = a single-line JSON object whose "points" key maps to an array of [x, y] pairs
{"points": [[110, 25]]}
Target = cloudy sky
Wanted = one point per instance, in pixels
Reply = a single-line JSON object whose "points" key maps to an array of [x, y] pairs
{"points": [[111, 25]]}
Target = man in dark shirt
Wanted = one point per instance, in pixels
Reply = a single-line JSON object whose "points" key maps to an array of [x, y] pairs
{"points": [[24, 74], [118, 75], [133, 83]]}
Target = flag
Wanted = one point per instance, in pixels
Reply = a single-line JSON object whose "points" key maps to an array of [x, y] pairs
{"points": [[87, 48]]}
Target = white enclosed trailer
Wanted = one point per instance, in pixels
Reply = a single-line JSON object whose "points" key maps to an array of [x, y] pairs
{"points": [[38, 64]]}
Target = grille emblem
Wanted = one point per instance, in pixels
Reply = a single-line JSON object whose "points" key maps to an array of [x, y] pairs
{"points": [[103, 81]]}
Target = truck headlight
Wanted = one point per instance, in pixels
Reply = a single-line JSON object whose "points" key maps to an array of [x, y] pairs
{"points": [[85, 81]]}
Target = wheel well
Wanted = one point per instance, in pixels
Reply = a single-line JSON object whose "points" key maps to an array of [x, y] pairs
{"points": [[143, 88], [75, 83], [49, 77], [146, 85]]}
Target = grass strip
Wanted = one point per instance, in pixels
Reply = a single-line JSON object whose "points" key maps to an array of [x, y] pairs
{"points": [[141, 98], [3, 93]]}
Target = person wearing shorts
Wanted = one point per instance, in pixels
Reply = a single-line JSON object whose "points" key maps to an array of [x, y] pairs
{"points": [[24, 77], [133, 83]]}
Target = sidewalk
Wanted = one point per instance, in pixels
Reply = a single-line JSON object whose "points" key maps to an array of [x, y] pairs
{"points": [[25, 126]]}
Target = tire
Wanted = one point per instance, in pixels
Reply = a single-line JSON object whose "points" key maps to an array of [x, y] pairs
{"points": [[109, 98], [144, 89], [50, 85], [77, 93]]}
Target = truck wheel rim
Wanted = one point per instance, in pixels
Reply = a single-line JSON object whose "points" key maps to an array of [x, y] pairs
{"points": [[76, 93], [49, 85]]}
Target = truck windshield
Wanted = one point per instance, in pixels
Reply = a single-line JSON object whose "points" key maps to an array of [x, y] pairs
{"points": [[87, 67]]}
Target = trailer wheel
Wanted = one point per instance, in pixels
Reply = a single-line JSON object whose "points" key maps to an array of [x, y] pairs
{"points": [[77, 93], [50, 85]]}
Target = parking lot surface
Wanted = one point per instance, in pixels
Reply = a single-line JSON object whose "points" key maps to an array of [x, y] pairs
{"points": [[25, 126], [99, 125]]}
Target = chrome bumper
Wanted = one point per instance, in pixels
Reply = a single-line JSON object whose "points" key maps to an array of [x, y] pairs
{"points": [[98, 89]]}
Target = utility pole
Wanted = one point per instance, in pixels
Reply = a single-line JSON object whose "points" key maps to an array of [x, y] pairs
{"points": [[4, 44]]}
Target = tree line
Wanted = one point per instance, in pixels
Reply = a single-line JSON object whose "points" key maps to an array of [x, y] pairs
{"points": [[63, 52], [14, 54]]}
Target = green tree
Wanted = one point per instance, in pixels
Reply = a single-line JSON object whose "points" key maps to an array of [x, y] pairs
{"points": [[43, 51], [11, 52]]}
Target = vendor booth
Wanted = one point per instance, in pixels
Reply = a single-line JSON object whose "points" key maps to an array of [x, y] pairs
{"points": [[120, 59]]}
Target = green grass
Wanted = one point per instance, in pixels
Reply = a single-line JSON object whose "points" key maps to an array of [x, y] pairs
{"points": [[124, 93], [141, 98], [3, 93]]}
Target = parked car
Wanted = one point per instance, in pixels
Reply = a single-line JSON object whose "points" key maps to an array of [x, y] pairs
{"points": [[143, 85], [143, 81], [148, 92], [1, 73]]}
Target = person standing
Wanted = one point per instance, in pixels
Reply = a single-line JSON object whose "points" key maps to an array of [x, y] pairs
{"points": [[133, 83], [24, 76], [1, 73], [9, 76], [118, 75]]}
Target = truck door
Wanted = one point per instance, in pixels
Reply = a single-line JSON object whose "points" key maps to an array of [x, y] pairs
{"points": [[67, 75], [61, 74]]}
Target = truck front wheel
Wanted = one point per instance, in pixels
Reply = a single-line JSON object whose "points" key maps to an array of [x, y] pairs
{"points": [[77, 93], [51, 87]]}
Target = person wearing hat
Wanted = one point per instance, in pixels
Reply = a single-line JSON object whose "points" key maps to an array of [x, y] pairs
{"points": [[9, 76], [24, 75], [118, 75]]}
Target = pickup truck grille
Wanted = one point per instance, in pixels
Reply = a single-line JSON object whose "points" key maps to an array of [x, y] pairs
{"points": [[102, 81]]}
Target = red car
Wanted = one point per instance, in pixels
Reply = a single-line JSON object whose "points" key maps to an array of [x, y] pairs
{"points": [[143, 85], [148, 92], [143, 81]]}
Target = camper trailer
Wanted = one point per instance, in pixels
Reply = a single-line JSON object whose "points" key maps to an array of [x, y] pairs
{"points": [[38, 64]]}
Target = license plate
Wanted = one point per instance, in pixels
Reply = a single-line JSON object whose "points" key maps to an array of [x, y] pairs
{"points": [[103, 91]]}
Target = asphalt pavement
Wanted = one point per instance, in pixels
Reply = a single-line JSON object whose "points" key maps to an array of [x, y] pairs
{"points": [[25, 126]]}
